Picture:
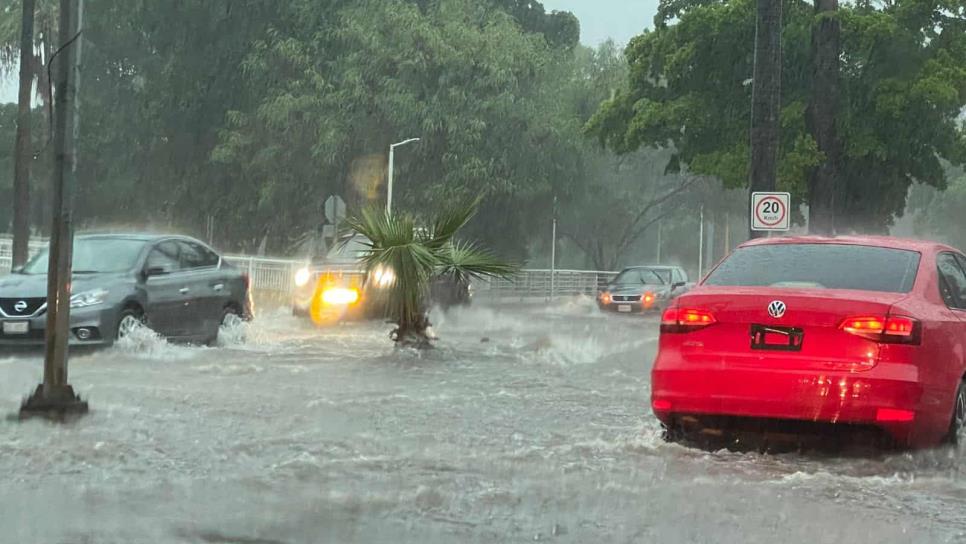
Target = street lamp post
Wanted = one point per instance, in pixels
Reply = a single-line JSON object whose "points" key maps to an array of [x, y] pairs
{"points": [[392, 156]]}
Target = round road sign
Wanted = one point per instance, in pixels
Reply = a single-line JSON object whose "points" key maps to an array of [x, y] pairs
{"points": [[770, 211]]}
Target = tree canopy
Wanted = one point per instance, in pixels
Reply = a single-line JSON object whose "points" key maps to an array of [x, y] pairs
{"points": [[903, 83]]}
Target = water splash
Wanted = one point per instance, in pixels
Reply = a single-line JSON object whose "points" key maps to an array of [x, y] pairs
{"points": [[145, 343]]}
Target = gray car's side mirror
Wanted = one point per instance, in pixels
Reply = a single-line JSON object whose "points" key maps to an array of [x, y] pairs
{"points": [[678, 285], [155, 271]]}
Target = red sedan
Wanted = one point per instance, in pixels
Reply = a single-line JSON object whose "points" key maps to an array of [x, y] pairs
{"points": [[799, 333]]}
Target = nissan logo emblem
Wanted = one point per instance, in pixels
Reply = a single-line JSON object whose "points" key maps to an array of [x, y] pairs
{"points": [[776, 309], [20, 306]]}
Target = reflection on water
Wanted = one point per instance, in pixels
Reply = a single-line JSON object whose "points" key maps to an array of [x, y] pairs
{"points": [[525, 424]]}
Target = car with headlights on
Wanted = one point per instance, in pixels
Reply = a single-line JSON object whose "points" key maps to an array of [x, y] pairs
{"points": [[177, 286], [641, 289], [804, 335], [335, 287]]}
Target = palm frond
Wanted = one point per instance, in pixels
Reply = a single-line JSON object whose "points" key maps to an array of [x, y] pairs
{"points": [[393, 245], [465, 260], [449, 222], [417, 255]]}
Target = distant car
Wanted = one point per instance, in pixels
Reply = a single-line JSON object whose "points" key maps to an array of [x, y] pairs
{"points": [[334, 287], [178, 286], [448, 292], [802, 335], [641, 289]]}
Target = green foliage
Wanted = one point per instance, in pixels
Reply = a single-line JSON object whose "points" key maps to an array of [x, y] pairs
{"points": [[416, 256], [903, 86]]}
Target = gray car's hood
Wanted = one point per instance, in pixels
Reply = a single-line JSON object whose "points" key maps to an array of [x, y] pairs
{"points": [[35, 285]]}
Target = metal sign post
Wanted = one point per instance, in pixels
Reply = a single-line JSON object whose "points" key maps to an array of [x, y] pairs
{"points": [[55, 396]]}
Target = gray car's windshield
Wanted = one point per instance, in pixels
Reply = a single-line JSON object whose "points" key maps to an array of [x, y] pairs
{"points": [[94, 256], [645, 276]]}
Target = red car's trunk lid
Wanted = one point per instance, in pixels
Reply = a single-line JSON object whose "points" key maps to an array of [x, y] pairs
{"points": [[802, 329]]}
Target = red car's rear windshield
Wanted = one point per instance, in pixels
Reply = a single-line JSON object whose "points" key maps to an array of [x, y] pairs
{"points": [[821, 266]]}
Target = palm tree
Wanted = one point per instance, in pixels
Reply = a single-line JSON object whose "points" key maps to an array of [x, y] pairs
{"points": [[419, 255]]}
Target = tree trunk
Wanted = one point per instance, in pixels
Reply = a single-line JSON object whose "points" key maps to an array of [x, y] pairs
{"points": [[23, 155], [766, 98], [822, 111]]}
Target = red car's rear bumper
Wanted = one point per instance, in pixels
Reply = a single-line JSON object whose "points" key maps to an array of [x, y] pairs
{"points": [[887, 396]]}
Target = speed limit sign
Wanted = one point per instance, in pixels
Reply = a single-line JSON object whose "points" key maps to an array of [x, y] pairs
{"points": [[770, 211]]}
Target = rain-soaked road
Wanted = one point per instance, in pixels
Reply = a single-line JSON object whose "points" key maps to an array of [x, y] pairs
{"points": [[540, 434]]}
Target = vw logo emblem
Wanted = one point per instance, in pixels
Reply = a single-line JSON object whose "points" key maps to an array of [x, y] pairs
{"points": [[776, 309], [20, 306]]}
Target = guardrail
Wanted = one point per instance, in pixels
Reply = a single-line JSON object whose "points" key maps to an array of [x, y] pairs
{"points": [[277, 276]]}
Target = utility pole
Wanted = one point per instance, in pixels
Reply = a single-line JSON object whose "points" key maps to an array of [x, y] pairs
{"points": [[23, 155], [709, 244], [701, 244], [553, 250], [660, 227], [766, 99], [55, 396]]}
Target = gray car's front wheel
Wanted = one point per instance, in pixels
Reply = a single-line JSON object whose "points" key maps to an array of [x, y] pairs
{"points": [[128, 321]]}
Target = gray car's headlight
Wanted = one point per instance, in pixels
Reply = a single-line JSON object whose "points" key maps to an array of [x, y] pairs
{"points": [[302, 277], [88, 298]]}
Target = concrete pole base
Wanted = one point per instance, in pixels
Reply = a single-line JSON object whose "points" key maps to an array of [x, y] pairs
{"points": [[55, 403]]}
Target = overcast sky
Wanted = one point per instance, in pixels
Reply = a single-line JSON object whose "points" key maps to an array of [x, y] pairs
{"points": [[603, 19], [599, 20]]}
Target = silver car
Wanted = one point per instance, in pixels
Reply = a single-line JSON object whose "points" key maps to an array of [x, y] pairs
{"points": [[176, 285]]}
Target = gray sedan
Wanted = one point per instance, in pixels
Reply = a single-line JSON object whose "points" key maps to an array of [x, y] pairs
{"points": [[642, 289], [176, 285]]}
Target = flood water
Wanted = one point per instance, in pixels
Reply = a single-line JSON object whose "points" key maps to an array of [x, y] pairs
{"points": [[528, 423]]}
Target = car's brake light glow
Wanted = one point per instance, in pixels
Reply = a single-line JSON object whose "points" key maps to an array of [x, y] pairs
{"points": [[894, 415], [661, 405], [893, 329], [676, 320]]}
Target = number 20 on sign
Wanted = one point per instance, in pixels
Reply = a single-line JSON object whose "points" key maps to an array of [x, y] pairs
{"points": [[770, 211]]}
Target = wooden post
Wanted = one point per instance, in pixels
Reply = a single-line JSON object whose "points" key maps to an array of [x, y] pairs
{"points": [[55, 396]]}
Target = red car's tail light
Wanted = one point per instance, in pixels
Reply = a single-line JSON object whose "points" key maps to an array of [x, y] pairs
{"points": [[889, 330], [894, 415], [677, 320]]}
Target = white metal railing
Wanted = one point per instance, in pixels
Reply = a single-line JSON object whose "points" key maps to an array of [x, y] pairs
{"points": [[278, 276], [6, 251], [268, 274]]}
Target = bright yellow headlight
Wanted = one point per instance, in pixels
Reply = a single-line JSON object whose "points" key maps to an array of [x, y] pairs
{"points": [[340, 296], [302, 277]]}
